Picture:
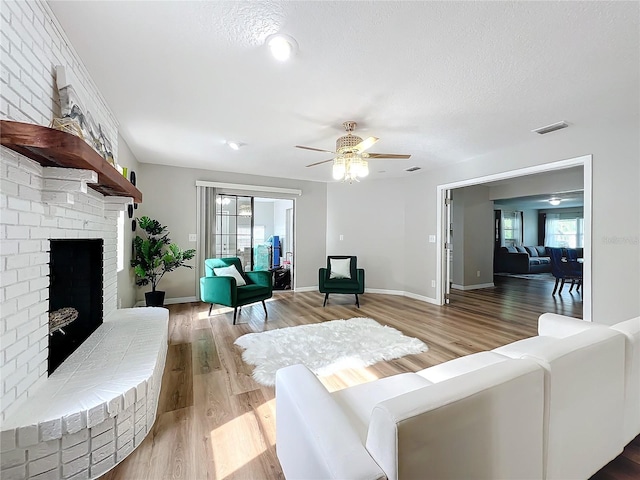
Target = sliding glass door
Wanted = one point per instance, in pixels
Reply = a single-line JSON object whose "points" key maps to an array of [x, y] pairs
{"points": [[234, 228]]}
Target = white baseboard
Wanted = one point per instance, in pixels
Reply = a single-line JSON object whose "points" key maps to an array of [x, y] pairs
{"points": [[306, 289], [170, 301], [422, 298], [384, 291], [472, 287]]}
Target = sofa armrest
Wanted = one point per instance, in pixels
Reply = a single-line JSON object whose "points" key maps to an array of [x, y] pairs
{"points": [[262, 278], [411, 435], [315, 439], [221, 290], [560, 326]]}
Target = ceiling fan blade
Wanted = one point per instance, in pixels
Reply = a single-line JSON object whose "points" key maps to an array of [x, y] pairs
{"points": [[366, 143], [320, 163], [388, 155], [314, 149]]}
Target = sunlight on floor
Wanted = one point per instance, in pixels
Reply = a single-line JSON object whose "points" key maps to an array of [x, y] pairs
{"points": [[232, 448]]}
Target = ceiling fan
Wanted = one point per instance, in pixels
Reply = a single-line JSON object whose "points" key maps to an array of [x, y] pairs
{"points": [[350, 161]]}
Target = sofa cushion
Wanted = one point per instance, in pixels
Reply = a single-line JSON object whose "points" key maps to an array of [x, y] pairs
{"points": [[511, 249], [460, 366], [544, 260], [521, 249], [526, 346], [358, 401], [542, 250], [532, 251]]}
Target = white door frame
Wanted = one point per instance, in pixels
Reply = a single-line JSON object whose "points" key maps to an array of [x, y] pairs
{"points": [[584, 161]]}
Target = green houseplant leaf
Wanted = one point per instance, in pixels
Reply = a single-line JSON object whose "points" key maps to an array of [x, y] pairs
{"points": [[155, 255]]}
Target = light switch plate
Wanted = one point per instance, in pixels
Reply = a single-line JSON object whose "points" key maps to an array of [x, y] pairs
{"points": [[432, 239], [193, 237]]}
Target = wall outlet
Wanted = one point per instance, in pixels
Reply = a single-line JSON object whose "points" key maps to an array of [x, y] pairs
{"points": [[341, 237], [433, 283], [478, 273], [432, 239], [193, 237]]}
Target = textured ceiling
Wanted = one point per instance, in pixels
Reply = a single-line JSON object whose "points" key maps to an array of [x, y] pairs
{"points": [[443, 81]]}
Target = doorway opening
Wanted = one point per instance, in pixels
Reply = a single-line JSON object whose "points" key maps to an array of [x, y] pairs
{"points": [[447, 225]]}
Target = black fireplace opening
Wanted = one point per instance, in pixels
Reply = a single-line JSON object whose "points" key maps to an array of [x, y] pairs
{"points": [[75, 295]]}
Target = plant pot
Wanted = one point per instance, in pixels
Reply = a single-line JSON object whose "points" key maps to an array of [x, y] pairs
{"points": [[154, 299]]}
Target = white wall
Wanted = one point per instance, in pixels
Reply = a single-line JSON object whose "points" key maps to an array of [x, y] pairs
{"points": [[126, 278], [567, 180], [530, 227], [370, 216], [263, 215], [472, 237], [170, 197]]}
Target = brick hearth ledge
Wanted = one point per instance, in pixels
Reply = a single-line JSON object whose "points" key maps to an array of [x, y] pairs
{"points": [[96, 407]]}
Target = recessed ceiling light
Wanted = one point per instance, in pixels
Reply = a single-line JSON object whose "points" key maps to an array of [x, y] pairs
{"points": [[555, 201], [282, 46], [233, 145]]}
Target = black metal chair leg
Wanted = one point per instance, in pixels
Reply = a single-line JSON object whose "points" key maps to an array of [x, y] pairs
{"points": [[210, 308], [555, 287], [235, 312], [357, 301], [573, 282], [266, 314], [561, 286], [326, 296]]}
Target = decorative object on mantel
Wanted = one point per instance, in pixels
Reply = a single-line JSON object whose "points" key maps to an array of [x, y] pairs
{"points": [[68, 125], [130, 210], [154, 256], [132, 177], [55, 148], [133, 225], [61, 318], [325, 347], [72, 108]]}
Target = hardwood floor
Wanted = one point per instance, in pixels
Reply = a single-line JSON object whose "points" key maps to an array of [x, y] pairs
{"points": [[215, 422]]}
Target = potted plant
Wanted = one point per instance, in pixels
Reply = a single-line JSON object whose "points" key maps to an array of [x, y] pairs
{"points": [[154, 256]]}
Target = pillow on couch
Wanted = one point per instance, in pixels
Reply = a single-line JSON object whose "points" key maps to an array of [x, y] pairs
{"points": [[533, 251], [340, 268], [230, 271], [521, 249]]}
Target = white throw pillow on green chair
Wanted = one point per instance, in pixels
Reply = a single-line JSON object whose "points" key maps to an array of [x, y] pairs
{"points": [[230, 271], [340, 268]]}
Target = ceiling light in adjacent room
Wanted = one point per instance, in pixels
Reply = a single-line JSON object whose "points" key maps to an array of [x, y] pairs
{"points": [[555, 201], [233, 145], [281, 46]]}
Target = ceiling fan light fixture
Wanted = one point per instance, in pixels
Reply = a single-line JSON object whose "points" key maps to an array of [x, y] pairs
{"points": [[282, 46], [554, 201], [339, 168]]}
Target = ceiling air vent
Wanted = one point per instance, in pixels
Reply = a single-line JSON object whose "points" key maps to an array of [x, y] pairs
{"points": [[551, 128], [412, 169]]}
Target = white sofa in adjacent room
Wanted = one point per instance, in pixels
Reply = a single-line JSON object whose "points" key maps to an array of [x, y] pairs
{"points": [[563, 410]]}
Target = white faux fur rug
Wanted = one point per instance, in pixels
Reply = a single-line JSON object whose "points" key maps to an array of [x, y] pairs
{"points": [[325, 347]]}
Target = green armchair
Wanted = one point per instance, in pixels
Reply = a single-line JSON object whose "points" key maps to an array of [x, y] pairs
{"points": [[342, 275], [224, 290]]}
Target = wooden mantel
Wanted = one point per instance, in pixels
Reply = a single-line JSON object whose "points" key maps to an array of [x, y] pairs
{"points": [[55, 148]]}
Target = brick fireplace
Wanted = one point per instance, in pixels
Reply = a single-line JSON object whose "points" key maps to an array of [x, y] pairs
{"points": [[40, 204]]}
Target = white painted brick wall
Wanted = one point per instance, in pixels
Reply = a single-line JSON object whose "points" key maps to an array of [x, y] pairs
{"points": [[32, 43], [27, 224]]}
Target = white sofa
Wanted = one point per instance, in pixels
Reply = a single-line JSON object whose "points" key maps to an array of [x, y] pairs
{"points": [[550, 407]]}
